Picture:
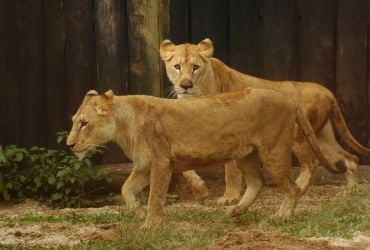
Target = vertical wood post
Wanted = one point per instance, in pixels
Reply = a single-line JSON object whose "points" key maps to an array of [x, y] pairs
{"points": [[80, 51], [30, 72], [111, 46], [317, 20], [352, 62], [280, 39], [148, 25], [55, 70], [9, 93]]}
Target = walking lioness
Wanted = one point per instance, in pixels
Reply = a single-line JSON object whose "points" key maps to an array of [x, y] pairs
{"points": [[194, 72], [161, 135]]}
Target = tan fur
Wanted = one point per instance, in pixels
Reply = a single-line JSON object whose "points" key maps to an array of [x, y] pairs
{"points": [[319, 104], [161, 136]]}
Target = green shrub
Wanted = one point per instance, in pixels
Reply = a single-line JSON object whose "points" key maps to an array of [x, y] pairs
{"points": [[12, 178], [54, 176]]}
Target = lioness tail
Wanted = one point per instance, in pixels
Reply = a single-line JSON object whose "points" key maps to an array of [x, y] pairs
{"points": [[342, 129], [308, 132]]}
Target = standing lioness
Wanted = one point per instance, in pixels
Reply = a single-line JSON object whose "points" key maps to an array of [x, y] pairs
{"points": [[194, 72], [161, 136]]}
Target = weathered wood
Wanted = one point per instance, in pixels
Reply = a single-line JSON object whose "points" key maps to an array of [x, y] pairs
{"points": [[368, 73], [317, 25], [9, 101], [280, 39], [111, 46], [246, 40], [54, 70], [148, 24], [352, 62], [210, 19], [80, 52], [180, 21], [30, 71]]}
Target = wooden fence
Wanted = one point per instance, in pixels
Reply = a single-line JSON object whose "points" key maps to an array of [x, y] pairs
{"points": [[53, 51]]}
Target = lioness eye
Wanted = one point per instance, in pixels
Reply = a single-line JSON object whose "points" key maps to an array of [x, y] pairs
{"points": [[177, 66], [83, 124], [195, 67]]}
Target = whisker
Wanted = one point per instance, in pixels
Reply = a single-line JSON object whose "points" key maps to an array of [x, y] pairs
{"points": [[170, 92]]}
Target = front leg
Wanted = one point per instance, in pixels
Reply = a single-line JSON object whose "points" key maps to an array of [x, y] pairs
{"points": [[136, 182], [160, 175], [233, 184]]}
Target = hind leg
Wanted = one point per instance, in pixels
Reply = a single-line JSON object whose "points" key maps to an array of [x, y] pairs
{"points": [[197, 184], [278, 163], [337, 155], [252, 175], [307, 161], [233, 184]]}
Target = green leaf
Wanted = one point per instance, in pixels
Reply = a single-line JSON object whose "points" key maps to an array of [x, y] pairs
{"points": [[67, 190], [37, 180], [72, 180], [76, 166], [87, 162], [22, 178], [60, 185], [52, 180], [61, 173], [2, 158], [19, 156], [60, 139], [56, 196], [6, 195]]}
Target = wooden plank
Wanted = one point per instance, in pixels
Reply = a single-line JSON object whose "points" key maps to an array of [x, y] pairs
{"points": [[368, 73], [30, 71], [210, 19], [111, 46], [246, 50], [80, 51], [280, 39], [112, 56], [148, 24], [55, 69], [180, 21], [317, 26], [8, 101], [351, 59]]}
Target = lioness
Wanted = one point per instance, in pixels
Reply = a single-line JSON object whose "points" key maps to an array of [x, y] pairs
{"points": [[161, 135], [194, 72]]}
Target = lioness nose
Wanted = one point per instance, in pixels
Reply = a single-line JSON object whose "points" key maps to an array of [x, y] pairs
{"points": [[71, 144], [186, 85]]}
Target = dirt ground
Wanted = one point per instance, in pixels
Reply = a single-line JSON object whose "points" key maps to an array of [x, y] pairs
{"points": [[57, 233]]}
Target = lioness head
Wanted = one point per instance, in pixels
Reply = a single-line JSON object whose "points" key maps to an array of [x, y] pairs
{"points": [[93, 123], [186, 65]]}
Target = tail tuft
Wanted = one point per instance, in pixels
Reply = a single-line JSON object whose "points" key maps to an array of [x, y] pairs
{"points": [[341, 166]]}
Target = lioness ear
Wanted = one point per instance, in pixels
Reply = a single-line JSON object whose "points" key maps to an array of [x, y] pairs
{"points": [[206, 47], [108, 95], [166, 50], [91, 92], [103, 105]]}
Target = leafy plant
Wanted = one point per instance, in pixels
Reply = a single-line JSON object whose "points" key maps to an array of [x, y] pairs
{"points": [[55, 176], [11, 176]]}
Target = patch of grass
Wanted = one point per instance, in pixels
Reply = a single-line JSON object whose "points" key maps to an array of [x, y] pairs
{"points": [[194, 215], [183, 227], [100, 218], [340, 218], [111, 245]]}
